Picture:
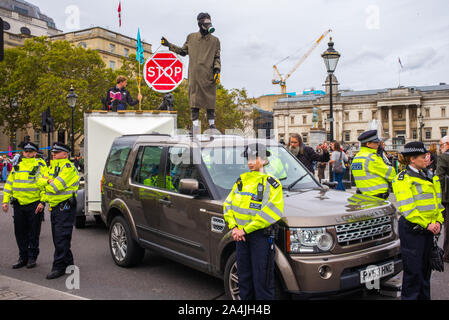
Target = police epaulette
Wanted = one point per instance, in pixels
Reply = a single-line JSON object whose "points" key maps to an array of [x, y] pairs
{"points": [[16, 167], [68, 165], [239, 184], [273, 182], [402, 174]]}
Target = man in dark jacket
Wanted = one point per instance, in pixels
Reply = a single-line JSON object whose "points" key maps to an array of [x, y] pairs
{"points": [[306, 154], [443, 173], [118, 98]]}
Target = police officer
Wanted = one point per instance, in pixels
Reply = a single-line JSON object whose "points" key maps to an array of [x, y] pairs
{"points": [[60, 193], [371, 175], [419, 202], [23, 191], [253, 206]]}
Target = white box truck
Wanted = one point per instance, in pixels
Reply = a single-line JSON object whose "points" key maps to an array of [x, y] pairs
{"points": [[100, 130]]}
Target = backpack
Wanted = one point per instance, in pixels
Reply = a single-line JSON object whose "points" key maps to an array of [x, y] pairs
{"points": [[337, 165]]}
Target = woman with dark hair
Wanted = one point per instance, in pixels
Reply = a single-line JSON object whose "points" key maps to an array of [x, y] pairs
{"points": [[419, 202], [337, 161], [432, 167]]}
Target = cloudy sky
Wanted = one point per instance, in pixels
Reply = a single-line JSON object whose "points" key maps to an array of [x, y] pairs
{"points": [[255, 34]]}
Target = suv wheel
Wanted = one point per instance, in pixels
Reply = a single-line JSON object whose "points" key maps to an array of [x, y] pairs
{"points": [[125, 251], [231, 282]]}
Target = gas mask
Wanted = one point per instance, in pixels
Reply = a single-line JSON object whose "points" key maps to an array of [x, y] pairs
{"points": [[205, 23]]}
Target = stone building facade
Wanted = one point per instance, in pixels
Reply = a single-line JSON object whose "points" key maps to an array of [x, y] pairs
{"points": [[397, 110]]}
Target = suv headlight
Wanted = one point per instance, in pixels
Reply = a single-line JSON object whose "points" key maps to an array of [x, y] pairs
{"points": [[309, 240]]}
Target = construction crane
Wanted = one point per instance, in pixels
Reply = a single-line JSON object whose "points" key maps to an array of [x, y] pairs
{"points": [[282, 81]]}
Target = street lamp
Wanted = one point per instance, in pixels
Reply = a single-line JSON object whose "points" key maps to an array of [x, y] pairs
{"points": [[71, 100], [330, 57], [421, 125]]}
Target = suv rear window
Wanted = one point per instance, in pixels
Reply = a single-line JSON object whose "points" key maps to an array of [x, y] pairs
{"points": [[117, 159]]}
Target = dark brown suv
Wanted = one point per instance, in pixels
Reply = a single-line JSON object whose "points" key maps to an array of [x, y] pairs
{"points": [[166, 193]]}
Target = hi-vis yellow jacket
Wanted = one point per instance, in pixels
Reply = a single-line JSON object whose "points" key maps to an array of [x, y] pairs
{"points": [[371, 174], [418, 199], [65, 182], [22, 182], [255, 202]]}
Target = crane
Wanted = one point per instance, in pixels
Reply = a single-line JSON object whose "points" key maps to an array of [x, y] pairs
{"points": [[282, 81]]}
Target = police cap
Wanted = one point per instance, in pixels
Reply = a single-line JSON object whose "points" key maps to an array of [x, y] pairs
{"points": [[369, 136], [414, 148], [29, 146], [256, 150], [59, 146]]}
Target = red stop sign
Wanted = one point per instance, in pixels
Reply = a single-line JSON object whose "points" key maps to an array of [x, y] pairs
{"points": [[163, 71]]}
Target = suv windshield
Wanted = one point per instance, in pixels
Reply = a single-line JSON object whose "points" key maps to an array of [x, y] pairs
{"points": [[226, 164]]}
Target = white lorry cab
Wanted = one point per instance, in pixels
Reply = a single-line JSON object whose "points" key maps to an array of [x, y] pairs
{"points": [[100, 130]]}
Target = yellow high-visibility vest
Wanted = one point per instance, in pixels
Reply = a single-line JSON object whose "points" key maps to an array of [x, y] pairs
{"points": [[418, 199], [251, 209]]}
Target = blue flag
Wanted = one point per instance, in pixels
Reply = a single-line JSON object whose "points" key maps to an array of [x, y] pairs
{"points": [[139, 49]]}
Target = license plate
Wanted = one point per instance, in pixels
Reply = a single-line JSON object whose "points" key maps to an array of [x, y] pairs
{"points": [[377, 272]]}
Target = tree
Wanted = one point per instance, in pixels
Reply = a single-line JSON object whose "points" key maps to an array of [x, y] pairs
{"points": [[41, 74]]}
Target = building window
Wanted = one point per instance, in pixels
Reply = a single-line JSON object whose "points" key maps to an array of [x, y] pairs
{"points": [[82, 45], [6, 26], [21, 10], [111, 48], [304, 119], [400, 114], [25, 31], [292, 120], [428, 133], [443, 112], [443, 132], [304, 137], [360, 116], [347, 135], [37, 137], [374, 115], [414, 135], [386, 115], [112, 65], [126, 52], [346, 116], [427, 111]]}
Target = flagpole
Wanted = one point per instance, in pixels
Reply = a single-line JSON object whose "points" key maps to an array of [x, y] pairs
{"points": [[139, 78]]}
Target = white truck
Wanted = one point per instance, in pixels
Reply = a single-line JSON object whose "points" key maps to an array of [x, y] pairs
{"points": [[100, 130]]}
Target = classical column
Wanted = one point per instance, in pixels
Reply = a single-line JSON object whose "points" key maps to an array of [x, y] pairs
{"points": [[390, 122], [286, 133], [407, 123]]}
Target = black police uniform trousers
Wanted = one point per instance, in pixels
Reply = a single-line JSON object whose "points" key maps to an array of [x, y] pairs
{"points": [[415, 251], [252, 262], [27, 229], [62, 220]]}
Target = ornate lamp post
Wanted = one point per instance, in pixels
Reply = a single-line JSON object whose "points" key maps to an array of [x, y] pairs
{"points": [[330, 57]]}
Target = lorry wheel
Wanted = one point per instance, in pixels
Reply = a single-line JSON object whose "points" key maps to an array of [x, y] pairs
{"points": [[80, 222], [125, 251], [231, 282]]}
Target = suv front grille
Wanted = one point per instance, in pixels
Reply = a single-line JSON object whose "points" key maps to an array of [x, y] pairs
{"points": [[358, 232]]}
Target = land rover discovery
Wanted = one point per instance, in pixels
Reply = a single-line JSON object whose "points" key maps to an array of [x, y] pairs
{"points": [[166, 193]]}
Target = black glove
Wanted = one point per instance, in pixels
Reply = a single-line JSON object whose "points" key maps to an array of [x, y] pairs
{"points": [[436, 257], [165, 42], [217, 76]]}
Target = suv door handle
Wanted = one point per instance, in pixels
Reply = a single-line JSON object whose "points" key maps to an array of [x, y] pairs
{"points": [[165, 202], [128, 192]]}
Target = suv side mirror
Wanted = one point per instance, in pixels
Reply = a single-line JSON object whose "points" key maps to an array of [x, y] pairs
{"points": [[189, 186]]}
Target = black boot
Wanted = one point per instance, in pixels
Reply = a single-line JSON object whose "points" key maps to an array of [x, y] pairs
{"points": [[55, 274], [20, 263], [31, 263]]}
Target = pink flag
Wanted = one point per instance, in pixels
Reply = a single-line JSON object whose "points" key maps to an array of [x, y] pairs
{"points": [[120, 13], [10, 153]]}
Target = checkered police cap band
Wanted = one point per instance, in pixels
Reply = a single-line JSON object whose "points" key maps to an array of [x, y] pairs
{"points": [[29, 146], [59, 148], [414, 150]]}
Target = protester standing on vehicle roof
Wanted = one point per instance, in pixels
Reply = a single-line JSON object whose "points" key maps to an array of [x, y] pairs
{"points": [[419, 202], [204, 68], [251, 210], [371, 174], [118, 97], [60, 193], [26, 196]]}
